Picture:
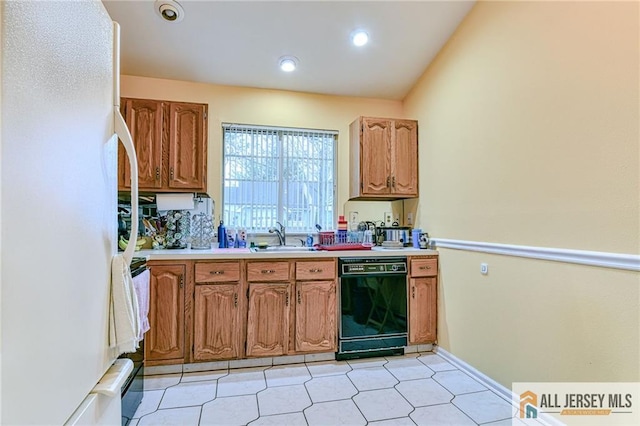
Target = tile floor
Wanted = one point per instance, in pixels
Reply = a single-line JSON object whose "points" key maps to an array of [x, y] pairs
{"points": [[414, 389]]}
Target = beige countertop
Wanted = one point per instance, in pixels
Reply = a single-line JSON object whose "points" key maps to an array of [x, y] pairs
{"points": [[222, 254]]}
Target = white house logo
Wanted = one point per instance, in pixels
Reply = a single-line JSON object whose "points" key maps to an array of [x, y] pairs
{"points": [[528, 405]]}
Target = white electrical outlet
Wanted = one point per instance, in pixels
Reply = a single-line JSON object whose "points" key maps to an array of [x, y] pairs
{"points": [[484, 268], [409, 219], [353, 217], [388, 219]]}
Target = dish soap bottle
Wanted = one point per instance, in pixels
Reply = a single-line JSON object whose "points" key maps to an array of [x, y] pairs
{"points": [[222, 235]]}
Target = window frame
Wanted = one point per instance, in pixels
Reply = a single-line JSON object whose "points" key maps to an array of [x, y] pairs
{"points": [[280, 202]]}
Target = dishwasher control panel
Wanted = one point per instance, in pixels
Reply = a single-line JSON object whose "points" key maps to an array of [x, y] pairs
{"points": [[354, 266]]}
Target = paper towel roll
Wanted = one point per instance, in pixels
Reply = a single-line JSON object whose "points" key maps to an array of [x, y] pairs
{"points": [[174, 201]]}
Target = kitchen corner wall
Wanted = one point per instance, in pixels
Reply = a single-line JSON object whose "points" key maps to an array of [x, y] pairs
{"points": [[529, 135], [243, 105]]}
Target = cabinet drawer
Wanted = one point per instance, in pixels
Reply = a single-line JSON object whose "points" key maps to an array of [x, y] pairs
{"points": [[315, 270], [268, 271], [424, 267], [207, 272]]}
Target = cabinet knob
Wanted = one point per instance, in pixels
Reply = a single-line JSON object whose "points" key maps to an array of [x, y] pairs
{"points": [[413, 292], [299, 298], [393, 182], [171, 173], [315, 271], [216, 272], [388, 181], [181, 281], [425, 267], [267, 271], [286, 301], [235, 300], [157, 173]]}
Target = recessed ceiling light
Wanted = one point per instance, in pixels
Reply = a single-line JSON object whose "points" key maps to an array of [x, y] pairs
{"points": [[359, 38], [169, 10], [288, 63]]}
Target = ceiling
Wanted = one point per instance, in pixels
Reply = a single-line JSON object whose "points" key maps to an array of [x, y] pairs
{"points": [[238, 43]]}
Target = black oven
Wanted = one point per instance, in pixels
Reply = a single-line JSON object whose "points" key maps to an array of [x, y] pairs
{"points": [[373, 307], [133, 388]]}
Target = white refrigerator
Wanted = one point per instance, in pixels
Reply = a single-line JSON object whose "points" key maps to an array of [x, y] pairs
{"points": [[58, 201]]}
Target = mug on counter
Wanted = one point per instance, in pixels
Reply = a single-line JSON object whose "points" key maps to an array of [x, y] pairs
{"points": [[415, 237], [424, 240]]}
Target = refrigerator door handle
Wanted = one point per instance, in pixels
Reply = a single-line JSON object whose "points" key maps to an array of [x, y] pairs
{"points": [[124, 135]]}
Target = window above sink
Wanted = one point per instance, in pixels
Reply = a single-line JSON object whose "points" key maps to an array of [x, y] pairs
{"points": [[276, 174]]}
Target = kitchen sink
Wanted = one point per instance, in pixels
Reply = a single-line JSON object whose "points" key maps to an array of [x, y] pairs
{"points": [[282, 249]]}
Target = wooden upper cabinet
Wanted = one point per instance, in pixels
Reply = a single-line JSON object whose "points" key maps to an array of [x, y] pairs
{"points": [[405, 151], [165, 339], [171, 144], [376, 156], [383, 158], [187, 147], [144, 120]]}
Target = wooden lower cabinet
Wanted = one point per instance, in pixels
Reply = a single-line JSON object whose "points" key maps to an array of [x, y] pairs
{"points": [[423, 310], [165, 340], [315, 322], [268, 319], [218, 310], [217, 322]]}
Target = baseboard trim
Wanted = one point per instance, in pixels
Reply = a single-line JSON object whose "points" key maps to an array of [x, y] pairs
{"points": [[629, 262], [502, 391]]}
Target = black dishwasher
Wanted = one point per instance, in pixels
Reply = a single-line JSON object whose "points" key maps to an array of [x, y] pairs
{"points": [[373, 307]]}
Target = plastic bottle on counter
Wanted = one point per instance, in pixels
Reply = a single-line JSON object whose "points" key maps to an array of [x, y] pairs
{"points": [[222, 235], [342, 223], [231, 238], [242, 238]]}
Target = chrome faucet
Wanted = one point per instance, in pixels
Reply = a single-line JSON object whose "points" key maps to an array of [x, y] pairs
{"points": [[280, 232]]}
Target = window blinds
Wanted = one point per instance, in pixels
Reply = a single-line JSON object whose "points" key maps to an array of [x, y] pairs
{"points": [[278, 174]]}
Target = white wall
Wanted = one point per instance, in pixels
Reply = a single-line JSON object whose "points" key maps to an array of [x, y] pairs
{"points": [[529, 130]]}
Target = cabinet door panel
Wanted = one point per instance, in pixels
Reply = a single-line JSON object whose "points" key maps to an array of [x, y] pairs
{"points": [[268, 319], [144, 120], [404, 179], [315, 316], [217, 322], [422, 310], [376, 156], [165, 339], [187, 148]]}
